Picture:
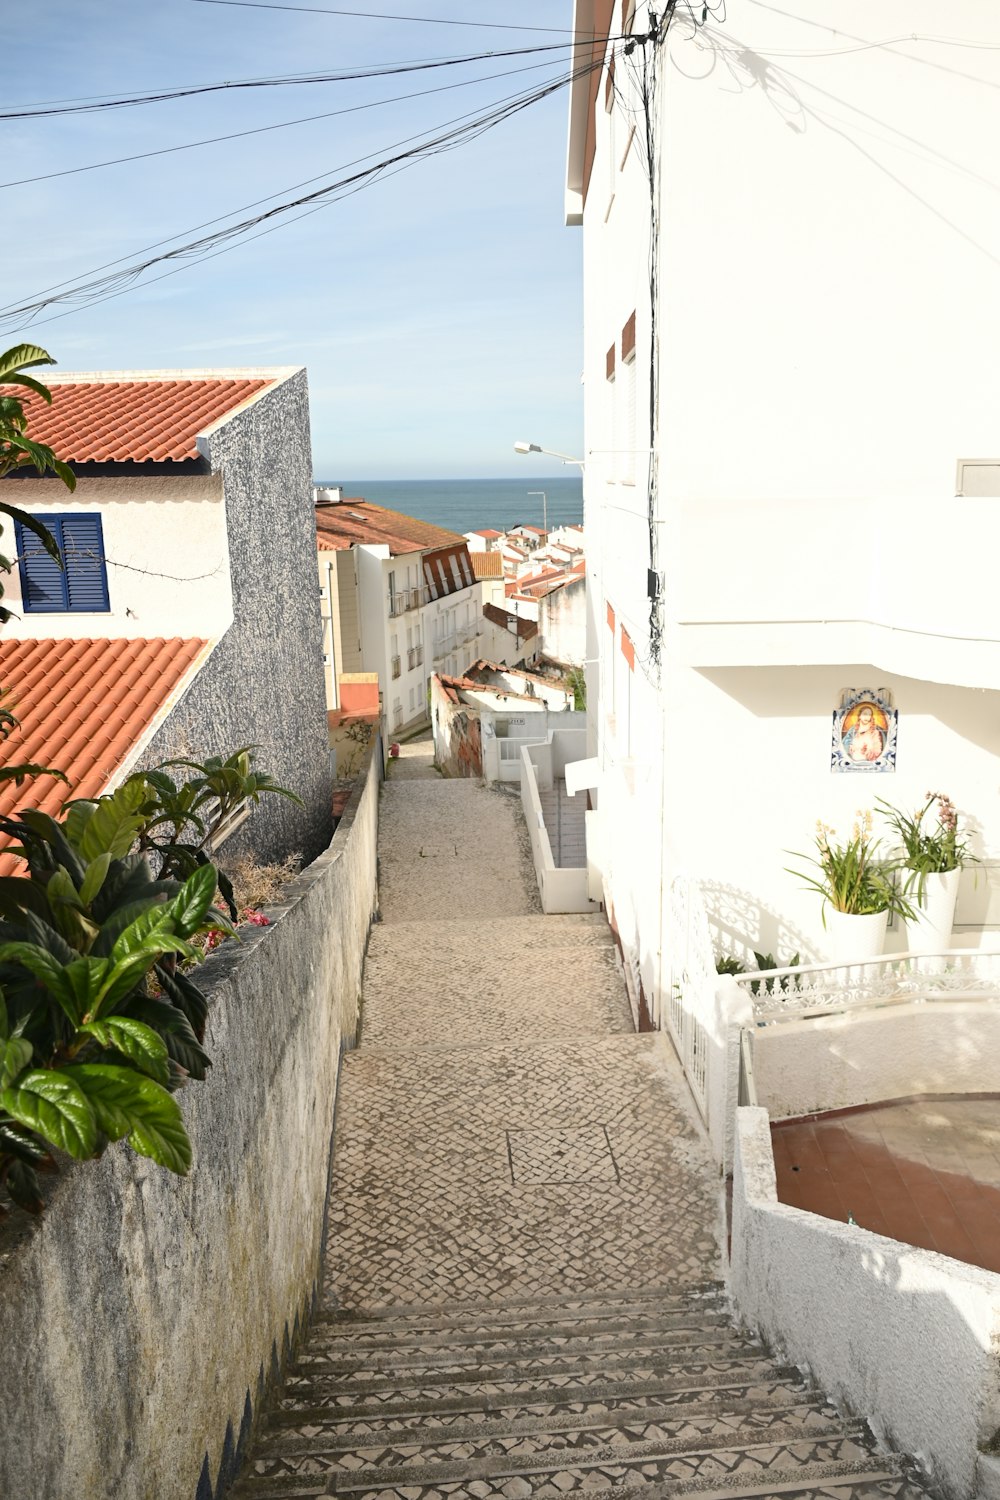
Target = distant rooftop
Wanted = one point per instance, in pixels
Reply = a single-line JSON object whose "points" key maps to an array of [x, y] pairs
{"points": [[360, 522]]}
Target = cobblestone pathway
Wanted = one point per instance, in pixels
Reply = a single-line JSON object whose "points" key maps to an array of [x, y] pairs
{"points": [[522, 1293]]}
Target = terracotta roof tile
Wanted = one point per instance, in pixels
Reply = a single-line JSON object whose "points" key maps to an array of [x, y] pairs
{"points": [[487, 564], [352, 521], [130, 421], [83, 705], [502, 617]]}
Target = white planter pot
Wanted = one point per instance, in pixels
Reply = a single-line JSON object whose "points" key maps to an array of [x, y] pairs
{"points": [[931, 932], [855, 938]]}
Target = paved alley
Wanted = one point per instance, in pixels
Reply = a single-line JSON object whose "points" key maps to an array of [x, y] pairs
{"points": [[522, 1290]]}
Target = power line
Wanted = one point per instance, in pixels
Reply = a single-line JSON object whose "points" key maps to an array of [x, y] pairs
{"points": [[377, 15], [448, 138], [237, 135], [129, 101]]}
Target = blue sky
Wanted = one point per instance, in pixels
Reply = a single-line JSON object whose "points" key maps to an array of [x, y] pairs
{"points": [[438, 311]]}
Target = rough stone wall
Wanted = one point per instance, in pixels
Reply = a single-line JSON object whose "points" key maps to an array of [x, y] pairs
{"points": [[144, 1314], [263, 684], [458, 745]]}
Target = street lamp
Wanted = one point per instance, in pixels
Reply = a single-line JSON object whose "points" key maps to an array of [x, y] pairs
{"points": [[545, 513], [550, 452]]}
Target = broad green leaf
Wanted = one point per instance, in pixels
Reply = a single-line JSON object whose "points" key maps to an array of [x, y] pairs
{"points": [[87, 978], [196, 895], [76, 816], [61, 889], [175, 1029], [187, 997], [53, 1105], [20, 1143], [94, 877], [15, 1056], [46, 969], [22, 357], [134, 1040], [22, 1185], [127, 1103], [115, 823], [156, 922]]}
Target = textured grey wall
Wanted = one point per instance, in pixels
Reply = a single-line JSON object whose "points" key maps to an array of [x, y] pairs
{"points": [[140, 1319], [263, 684]]}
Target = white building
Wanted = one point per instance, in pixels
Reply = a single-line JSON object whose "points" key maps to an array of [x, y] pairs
{"points": [[400, 599], [815, 504]]}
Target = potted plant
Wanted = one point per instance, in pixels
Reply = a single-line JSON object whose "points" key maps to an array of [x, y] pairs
{"points": [[932, 857], [858, 885]]}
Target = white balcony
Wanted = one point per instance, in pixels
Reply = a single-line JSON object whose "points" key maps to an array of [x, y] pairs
{"points": [[909, 586]]}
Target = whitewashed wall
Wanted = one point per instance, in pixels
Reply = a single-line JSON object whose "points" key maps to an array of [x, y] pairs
{"points": [[167, 557]]}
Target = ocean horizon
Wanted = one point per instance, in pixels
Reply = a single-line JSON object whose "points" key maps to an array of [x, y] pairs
{"points": [[472, 504]]}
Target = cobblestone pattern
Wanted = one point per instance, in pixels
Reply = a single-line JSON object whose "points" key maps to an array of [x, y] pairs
{"points": [[437, 1219], [417, 995], [521, 1294], [452, 850]]}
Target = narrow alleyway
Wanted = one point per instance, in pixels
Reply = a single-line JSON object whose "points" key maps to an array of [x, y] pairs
{"points": [[523, 1280]]}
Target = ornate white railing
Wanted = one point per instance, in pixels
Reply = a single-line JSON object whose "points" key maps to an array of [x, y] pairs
{"points": [[693, 981], [895, 978]]}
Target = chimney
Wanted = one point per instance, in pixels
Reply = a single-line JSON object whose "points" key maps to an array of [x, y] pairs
{"points": [[331, 494]]}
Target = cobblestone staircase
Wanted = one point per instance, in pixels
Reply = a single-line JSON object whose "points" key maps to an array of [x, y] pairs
{"points": [[550, 1399], [521, 1294]]}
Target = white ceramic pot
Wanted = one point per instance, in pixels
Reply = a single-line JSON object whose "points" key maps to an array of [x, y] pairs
{"points": [[854, 938], [931, 931]]}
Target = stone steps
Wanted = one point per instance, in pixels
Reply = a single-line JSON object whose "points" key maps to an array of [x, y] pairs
{"points": [[750, 1461], [552, 1397]]}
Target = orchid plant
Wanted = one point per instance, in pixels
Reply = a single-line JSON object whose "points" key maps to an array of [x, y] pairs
{"points": [[929, 847], [854, 876]]}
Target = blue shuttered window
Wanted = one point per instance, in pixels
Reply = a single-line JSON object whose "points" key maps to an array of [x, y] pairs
{"points": [[80, 586]]}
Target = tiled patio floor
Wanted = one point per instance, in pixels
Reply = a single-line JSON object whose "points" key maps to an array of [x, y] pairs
{"points": [[926, 1172], [564, 824]]}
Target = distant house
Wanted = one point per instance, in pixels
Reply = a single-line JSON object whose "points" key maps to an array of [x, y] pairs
{"points": [[400, 598], [179, 624]]}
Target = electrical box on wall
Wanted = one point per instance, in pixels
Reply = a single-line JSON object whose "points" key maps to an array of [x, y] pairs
{"points": [[978, 477]]}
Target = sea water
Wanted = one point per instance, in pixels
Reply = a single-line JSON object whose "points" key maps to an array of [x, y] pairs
{"points": [[471, 504]]}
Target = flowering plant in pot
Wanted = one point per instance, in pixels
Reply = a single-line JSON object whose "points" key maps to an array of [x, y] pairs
{"points": [[859, 886], [933, 855]]}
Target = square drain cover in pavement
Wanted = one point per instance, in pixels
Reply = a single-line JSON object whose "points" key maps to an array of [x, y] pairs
{"points": [[540, 1156]]}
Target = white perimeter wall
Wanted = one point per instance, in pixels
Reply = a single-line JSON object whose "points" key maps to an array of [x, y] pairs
{"points": [[167, 557], [906, 1338], [892, 1052]]}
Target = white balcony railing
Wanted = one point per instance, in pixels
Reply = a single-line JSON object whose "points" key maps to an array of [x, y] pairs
{"points": [[894, 978]]}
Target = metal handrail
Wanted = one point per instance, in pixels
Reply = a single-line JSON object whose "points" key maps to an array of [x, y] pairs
{"points": [[792, 993], [747, 1092]]}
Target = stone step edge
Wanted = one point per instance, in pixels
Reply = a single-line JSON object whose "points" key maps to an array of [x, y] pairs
{"points": [[522, 1332], [491, 1467], [319, 1381], [802, 1482], [480, 1355], [349, 1377], [386, 1482], [273, 1441], [786, 1376], [405, 1313]]}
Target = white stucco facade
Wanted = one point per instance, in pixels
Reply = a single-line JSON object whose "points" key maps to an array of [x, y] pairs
{"points": [[166, 552], [825, 265]]}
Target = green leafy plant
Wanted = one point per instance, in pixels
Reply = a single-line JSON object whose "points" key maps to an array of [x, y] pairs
{"points": [[766, 962], [577, 683], [87, 1054], [181, 817], [728, 963], [19, 451], [854, 876], [928, 848]]}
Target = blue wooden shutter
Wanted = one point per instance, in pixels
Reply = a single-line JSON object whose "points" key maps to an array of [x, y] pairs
{"points": [[81, 585], [83, 559], [42, 583]]}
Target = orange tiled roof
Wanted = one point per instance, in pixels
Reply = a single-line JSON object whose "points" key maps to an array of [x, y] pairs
{"points": [[351, 521], [83, 705], [130, 421], [487, 564]]}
